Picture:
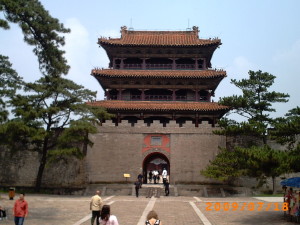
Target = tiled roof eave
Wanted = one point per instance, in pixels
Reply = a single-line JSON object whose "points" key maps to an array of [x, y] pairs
{"points": [[169, 110], [158, 45], [116, 105], [159, 74], [153, 76]]}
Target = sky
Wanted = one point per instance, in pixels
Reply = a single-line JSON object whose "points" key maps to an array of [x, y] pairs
{"points": [[256, 35]]}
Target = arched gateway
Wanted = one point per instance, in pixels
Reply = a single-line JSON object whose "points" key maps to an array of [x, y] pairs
{"points": [[155, 161]]}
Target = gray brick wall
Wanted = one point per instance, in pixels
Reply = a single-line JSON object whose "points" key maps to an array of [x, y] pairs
{"points": [[21, 167], [118, 150]]}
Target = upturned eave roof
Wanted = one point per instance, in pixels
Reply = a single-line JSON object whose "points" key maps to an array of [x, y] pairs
{"points": [[115, 105], [159, 73], [159, 38]]}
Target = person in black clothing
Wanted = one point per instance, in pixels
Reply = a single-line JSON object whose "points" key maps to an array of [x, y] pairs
{"points": [[140, 178], [158, 177], [2, 213], [167, 190], [150, 176], [137, 187]]}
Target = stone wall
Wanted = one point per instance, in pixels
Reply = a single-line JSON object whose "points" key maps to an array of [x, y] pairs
{"points": [[118, 150], [121, 149], [20, 169]]}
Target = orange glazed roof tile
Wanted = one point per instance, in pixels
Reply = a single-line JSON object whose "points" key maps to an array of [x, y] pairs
{"points": [[159, 38], [159, 105], [160, 73]]}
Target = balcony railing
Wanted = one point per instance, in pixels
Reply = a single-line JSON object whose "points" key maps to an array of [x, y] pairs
{"points": [[113, 97], [159, 98], [133, 66], [185, 66], [157, 66], [203, 99], [136, 97]]}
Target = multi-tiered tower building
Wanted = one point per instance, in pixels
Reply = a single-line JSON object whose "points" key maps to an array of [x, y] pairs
{"points": [[159, 85]]}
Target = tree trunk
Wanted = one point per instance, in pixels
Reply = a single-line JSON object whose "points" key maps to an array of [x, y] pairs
{"points": [[273, 181], [265, 139], [43, 162]]}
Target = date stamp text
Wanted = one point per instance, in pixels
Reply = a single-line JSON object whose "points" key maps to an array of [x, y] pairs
{"points": [[250, 206]]}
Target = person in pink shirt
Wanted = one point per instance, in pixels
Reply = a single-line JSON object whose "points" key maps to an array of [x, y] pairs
{"points": [[20, 210], [106, 218]]}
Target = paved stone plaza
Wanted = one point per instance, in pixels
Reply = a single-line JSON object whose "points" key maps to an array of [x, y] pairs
{"points": [[74, 210]]}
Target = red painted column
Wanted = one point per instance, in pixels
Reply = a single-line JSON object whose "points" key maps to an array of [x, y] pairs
{"points": [[174, 95], [144, 63], [174, 63], [114, 63], [196, 95], [196, 63], [143, 94], [204, 64], [173, 116], [122, 63], [120, 94]]}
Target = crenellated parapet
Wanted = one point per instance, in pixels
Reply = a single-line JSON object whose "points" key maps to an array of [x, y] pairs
{"points": [[156, 127], [157, 123]]}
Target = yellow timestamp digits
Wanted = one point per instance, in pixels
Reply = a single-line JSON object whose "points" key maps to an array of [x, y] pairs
{"points": [[250, 206]]}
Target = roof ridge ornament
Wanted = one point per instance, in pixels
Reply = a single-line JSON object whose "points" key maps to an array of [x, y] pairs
{"points": [[123, 30], [196, 30]]}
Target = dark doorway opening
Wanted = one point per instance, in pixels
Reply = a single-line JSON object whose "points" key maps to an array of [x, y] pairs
{"points": [[155, 161]]}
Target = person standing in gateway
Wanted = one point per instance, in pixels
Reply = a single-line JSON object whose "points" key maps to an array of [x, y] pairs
{"points": [[96, 206], [164, 175], [20, 210], [137, 185]]}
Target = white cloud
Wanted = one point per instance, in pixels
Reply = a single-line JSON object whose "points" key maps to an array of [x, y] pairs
{"points": [[240, 67], [287, 69], [77, 49], [102, 58], [77, 42], [290, 56]]}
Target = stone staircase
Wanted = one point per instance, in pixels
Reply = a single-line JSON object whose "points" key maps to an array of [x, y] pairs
{"points": [[158, 190]]}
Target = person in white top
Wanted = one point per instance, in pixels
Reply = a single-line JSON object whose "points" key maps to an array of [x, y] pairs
{"points": [[106, 218], [96, 205], [164, 175], [155, 176]]}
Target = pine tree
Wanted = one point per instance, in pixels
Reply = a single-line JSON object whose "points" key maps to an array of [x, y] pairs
{"points": [[10, 82], [45, 120], [286, 131], [40, 30], [255, 105]]}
